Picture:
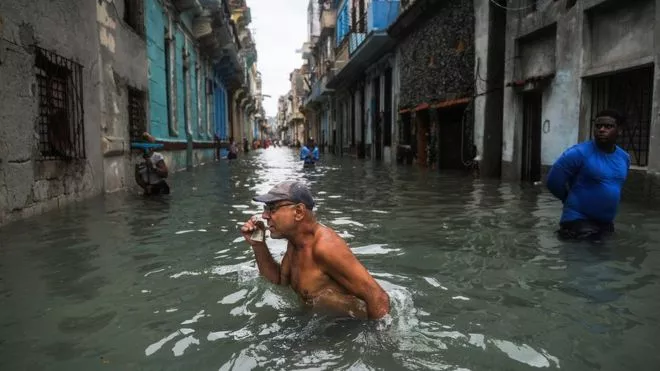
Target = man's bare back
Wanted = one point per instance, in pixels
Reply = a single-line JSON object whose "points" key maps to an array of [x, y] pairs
{"points": [[318, 264]]}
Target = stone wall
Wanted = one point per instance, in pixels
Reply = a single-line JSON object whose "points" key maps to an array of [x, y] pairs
{"points": [[123, 66], [437, 55], [28, 184]]}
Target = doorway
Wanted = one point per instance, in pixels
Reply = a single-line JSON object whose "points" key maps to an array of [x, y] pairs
{"points": [[377, 121], [423, 128], [531, 141], [450, 138]]}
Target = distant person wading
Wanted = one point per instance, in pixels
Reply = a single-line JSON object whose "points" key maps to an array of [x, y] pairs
{"points": [[310, 153]]}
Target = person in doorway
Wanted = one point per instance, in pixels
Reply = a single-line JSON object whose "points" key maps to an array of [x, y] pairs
{"points": [[246, 145], [151, 174], [309, 153], [318, 264], [588, 179]]}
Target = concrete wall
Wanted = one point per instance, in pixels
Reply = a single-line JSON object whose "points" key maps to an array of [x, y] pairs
{"points": [[489, 43], [123, 65], [437, 56], [621, 33], [555, 34], [592, 38], [69, 28]]}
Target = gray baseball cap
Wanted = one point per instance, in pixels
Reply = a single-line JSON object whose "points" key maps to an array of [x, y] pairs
{"points": [[288, 191]]}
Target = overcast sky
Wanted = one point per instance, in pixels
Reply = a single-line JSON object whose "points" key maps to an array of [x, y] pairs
{"points": [[280, 28]]}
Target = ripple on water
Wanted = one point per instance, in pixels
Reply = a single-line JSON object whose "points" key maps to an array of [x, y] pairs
{"points": [[431, 240], [374, 249]]}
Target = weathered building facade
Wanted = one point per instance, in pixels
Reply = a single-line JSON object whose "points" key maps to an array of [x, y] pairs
{"points": [[362, 77], [567, 60], [435, 52], [50, 106], [81, 88]]}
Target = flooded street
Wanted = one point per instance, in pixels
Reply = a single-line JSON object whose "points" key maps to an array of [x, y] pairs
{"points": [[476, 276]]}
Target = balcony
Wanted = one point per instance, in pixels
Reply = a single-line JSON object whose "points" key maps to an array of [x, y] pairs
{"points": [[379, 16], [307, 49], [188, 5], [365, 42], [319, 90], [328, 21]]}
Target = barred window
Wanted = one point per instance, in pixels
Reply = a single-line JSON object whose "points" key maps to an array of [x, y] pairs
{"points": [[134, 15], [630, 93], [137, 114], [60, 124]]}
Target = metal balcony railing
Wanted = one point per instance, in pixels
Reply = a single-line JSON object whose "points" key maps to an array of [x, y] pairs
{"points": [[378, 15]]}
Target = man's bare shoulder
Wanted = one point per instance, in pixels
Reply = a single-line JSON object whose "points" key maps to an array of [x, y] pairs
{"points": [[328, 241]]}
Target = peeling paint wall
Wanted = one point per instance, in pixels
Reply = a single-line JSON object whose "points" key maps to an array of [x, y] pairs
{"points": [[29, 186], [123, 66]]}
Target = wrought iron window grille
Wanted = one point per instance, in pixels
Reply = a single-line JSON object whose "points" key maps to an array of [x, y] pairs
{"points": [[630, 93], [137, 114], [61, 116]]}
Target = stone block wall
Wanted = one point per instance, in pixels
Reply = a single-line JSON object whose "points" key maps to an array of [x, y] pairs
{"points": [[437, 55], [28, 184]]}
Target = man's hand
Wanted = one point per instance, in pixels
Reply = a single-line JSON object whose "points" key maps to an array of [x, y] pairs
{"points": [[249, 227]]}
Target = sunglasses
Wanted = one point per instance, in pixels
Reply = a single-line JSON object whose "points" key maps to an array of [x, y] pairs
{"points": [[272, 209]]}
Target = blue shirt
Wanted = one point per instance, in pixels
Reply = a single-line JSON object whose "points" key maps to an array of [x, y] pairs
{"points": [[305, 155], [589, 182]]}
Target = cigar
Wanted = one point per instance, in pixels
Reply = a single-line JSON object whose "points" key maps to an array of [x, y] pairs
{"points": [[258, 234]]}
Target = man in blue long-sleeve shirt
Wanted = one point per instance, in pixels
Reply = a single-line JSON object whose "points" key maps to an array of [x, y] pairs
{"points": [[309, 153], [588, 179]]}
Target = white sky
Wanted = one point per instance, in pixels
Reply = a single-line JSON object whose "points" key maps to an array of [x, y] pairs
{"points": [[280, 28]]}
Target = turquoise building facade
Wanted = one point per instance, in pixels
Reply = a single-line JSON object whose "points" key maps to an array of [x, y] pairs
{"points": [[188, 102]]}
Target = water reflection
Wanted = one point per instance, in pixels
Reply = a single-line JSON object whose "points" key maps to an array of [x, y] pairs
{"points": [[477, 278]]}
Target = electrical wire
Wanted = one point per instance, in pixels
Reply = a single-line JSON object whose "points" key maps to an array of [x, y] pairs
{"points": [[495, 2]]}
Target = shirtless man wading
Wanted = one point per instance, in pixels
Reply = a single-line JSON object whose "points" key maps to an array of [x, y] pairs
{"points": [[318, 265]]}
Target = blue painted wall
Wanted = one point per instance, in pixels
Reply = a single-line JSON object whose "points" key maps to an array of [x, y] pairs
{"points": [[381, 14], [156, 24], [343, 21], [194, 114], [221, 112], [155, 35], [178, 73]]}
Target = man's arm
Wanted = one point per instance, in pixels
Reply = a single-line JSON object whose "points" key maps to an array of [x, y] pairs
{"points": [[563, 173], [268, 267], [338, 262], [316, 154], [304, 153]]}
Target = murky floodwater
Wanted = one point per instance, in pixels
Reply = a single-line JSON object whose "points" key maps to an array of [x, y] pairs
{"points": [[477, 279]]}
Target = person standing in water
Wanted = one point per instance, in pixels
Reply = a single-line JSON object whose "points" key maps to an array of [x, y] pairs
{"points": [[588, 179], [233, 149], [309, 153], [318, 264], [151, 174]]}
